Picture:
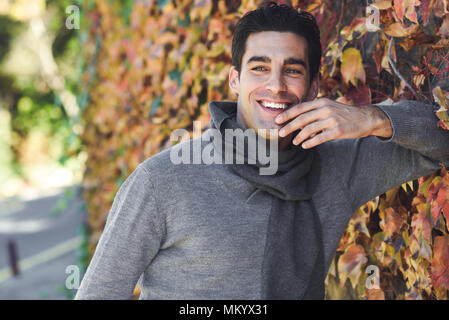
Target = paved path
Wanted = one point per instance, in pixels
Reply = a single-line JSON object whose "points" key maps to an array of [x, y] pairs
{"points": [[47, 242]]}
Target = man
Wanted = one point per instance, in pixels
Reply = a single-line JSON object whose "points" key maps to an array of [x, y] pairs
{"points": [[224, 231]]}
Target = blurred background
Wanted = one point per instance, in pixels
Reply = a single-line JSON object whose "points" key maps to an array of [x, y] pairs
{"points": [[91, 88], [41, 163]]}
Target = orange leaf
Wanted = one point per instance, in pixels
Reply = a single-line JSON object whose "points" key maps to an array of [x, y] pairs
{"points": [[375, 294], [434, 187], [397, 30], [377, 57], [392, 223], [416, 39], [440, 262], [352, 67], [350, 264], [382, 4]]}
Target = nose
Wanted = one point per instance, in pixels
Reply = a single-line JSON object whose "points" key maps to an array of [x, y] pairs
{"points": [[276, 82]]}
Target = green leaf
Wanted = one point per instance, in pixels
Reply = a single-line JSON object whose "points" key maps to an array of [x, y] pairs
{"points": [[157, 102]]}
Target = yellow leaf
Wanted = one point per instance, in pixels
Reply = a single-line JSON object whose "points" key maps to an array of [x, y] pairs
{"points": [[382, 4], [404, 187], [409, 183], [352, 67], [442, 98]]}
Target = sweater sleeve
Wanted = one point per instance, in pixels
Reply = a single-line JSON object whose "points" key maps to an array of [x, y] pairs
{"points": [[372, 165], [131, 238]]}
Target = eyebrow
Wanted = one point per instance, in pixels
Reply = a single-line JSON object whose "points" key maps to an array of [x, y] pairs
{"points": [[287, 61]]}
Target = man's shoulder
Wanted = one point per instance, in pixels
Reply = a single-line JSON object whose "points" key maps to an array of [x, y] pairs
{"points": [[175, 160], [162, 159]]}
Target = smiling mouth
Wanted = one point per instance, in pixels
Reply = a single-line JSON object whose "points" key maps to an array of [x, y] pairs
{"points": [[274, 106]]}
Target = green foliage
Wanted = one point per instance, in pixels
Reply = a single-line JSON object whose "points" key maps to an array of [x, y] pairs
{"points": [[8, 30], [32, 105]]}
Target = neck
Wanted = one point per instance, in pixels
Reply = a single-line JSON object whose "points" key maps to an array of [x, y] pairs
{"points": [[285, 142]]}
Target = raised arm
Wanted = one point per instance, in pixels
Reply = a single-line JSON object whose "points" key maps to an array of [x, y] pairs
{"points": [[376, 147], [372, 165]]}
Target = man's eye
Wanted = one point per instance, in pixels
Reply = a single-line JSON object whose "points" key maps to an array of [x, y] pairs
{"points": [[259, 68], [295, 71]]}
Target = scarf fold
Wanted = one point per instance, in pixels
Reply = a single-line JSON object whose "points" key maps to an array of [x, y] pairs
{"points": [[293, 264]]}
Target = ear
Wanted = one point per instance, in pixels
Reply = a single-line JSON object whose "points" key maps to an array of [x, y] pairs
{"points": [[234, 82], [314, 88]]}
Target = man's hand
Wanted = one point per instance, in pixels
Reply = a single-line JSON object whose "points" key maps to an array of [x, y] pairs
{"points": [[324, 120]]}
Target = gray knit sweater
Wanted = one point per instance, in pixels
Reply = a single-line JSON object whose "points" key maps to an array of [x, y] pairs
{"points": [[199, 231]]}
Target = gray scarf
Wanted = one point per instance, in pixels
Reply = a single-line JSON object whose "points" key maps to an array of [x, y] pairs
{"points": [[293, 266]]}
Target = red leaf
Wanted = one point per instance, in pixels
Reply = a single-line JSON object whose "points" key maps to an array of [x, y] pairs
{"points": [[399, 8], [441, 200], [434, 187], [410, 11], [425, 10], [445, 210], [359, 96], [421, 226]]}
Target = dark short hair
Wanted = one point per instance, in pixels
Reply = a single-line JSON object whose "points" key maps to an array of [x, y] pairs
{"points": [[280, 18]]}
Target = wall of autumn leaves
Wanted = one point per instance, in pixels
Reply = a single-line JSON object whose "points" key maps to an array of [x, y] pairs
{"points": [[152, 66]]}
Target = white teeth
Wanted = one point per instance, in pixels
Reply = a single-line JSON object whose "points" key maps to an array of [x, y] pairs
{"points": [[274, 105]]}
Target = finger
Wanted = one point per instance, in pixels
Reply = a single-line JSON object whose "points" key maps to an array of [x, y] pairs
{"points": [[320, 138], [300, 122], [311, 129], [298, 109]]}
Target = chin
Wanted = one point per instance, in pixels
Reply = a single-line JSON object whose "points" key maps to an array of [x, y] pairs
{"points": [[268, 128], [267, 136]]}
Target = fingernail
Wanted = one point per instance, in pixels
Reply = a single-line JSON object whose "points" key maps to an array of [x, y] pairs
{"points": [[278, 119], [282, 132]]}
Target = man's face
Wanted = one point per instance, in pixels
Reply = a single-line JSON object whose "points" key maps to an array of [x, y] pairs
{"points": [[274, 76]]}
